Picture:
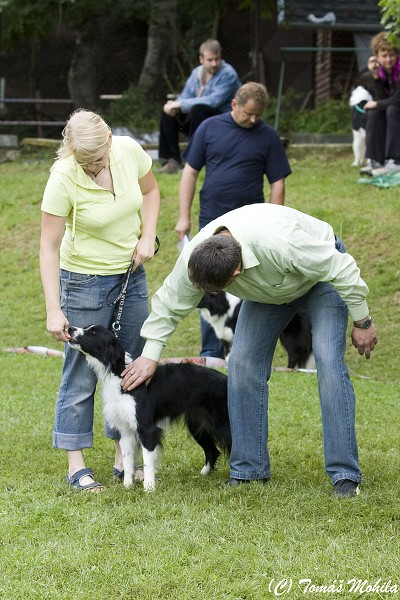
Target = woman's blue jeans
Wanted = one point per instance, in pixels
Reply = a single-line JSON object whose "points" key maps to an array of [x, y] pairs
{"points": [[258, 329], [83, 301]]}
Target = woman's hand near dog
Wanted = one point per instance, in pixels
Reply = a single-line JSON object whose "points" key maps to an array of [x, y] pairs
{"points": [[370, 105], [57, 325], [137, 372]]}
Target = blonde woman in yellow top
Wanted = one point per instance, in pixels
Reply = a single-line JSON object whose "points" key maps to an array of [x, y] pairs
{"points": [[99, 213]]}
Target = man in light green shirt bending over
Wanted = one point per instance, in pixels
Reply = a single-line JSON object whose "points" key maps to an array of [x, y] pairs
{"points": [[278, 260]]}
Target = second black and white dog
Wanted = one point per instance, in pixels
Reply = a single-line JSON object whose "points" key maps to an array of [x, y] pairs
{"points": [[196, 393], [358, 98], [221, 312]]}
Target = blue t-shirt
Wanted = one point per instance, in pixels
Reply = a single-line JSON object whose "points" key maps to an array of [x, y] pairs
{"points": [[236, 160]]}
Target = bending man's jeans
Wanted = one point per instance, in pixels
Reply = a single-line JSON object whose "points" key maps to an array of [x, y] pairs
{"points": [[250, 362]]}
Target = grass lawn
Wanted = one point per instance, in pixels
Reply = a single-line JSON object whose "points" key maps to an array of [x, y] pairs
{"points": [[194, 538]]}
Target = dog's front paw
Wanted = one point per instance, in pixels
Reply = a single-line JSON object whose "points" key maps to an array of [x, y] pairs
{"points": [[128, 481], [149, 486]]}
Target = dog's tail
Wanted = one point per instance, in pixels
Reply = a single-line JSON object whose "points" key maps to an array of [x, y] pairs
{"points": [[216, 426]]}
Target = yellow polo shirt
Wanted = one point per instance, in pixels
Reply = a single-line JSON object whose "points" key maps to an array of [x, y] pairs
{"points": [[102, 227]]}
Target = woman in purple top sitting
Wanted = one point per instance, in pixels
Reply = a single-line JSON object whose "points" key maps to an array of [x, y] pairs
{"points": [[383, 122]]}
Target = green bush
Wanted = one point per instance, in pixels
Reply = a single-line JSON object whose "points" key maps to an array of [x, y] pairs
{"points": [[331, 117]]}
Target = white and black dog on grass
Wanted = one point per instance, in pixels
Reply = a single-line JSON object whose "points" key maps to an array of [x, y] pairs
{"points": [[221, 311], [358, 98], [196, 393]]}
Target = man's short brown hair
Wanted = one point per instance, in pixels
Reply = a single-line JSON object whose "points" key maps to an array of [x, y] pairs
{"points": [[212, 46], [256, 92], [213, 262]]}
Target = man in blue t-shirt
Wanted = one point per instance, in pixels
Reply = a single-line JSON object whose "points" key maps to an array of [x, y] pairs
{"points": [[237, 149]]}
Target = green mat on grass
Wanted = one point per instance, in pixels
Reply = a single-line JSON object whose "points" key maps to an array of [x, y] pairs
{"points": [[382, 181]]}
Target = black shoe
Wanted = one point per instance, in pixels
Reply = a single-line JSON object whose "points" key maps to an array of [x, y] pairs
{"points": [[345, 488], [234, 482]]}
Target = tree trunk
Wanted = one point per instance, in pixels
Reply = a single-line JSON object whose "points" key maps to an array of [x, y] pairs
{"points": [[161, 46], [83, 74]]}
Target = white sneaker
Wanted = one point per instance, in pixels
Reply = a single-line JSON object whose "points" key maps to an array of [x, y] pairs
{"points": [[370, 166], [389, 167]]}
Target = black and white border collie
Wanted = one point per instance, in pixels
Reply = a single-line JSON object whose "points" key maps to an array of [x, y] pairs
{"points": [[358, 98], [221, 312], [196, 393]]}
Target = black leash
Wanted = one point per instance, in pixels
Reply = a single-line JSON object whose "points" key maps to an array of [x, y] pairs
{"points": [[116, 326]]}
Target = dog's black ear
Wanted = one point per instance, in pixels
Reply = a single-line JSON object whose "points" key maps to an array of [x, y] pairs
{"points": [[115, 353]]}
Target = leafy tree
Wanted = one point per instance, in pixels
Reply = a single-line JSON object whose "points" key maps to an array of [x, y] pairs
{"points": [[390, 19]]}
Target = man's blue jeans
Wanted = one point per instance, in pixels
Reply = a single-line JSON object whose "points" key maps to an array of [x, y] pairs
{"points": [[83, 301], [258, 329]]}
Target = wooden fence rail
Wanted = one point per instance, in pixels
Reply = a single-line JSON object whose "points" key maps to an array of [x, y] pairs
{"points": [[39, 122]]}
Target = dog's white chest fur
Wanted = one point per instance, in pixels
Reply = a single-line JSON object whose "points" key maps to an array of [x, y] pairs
{"points": [[119, 408]]}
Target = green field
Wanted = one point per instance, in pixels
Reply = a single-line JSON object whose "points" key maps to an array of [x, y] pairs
{"points": [[194, 538]]}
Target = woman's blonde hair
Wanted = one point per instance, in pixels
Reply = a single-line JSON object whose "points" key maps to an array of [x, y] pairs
{"points": [[84, 135]]}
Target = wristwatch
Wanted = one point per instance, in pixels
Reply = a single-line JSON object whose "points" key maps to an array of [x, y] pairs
{"points": [[365, 325]]}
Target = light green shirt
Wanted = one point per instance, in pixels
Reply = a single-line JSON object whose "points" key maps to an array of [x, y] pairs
{"points": [[102, 227], [284, 254]]}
